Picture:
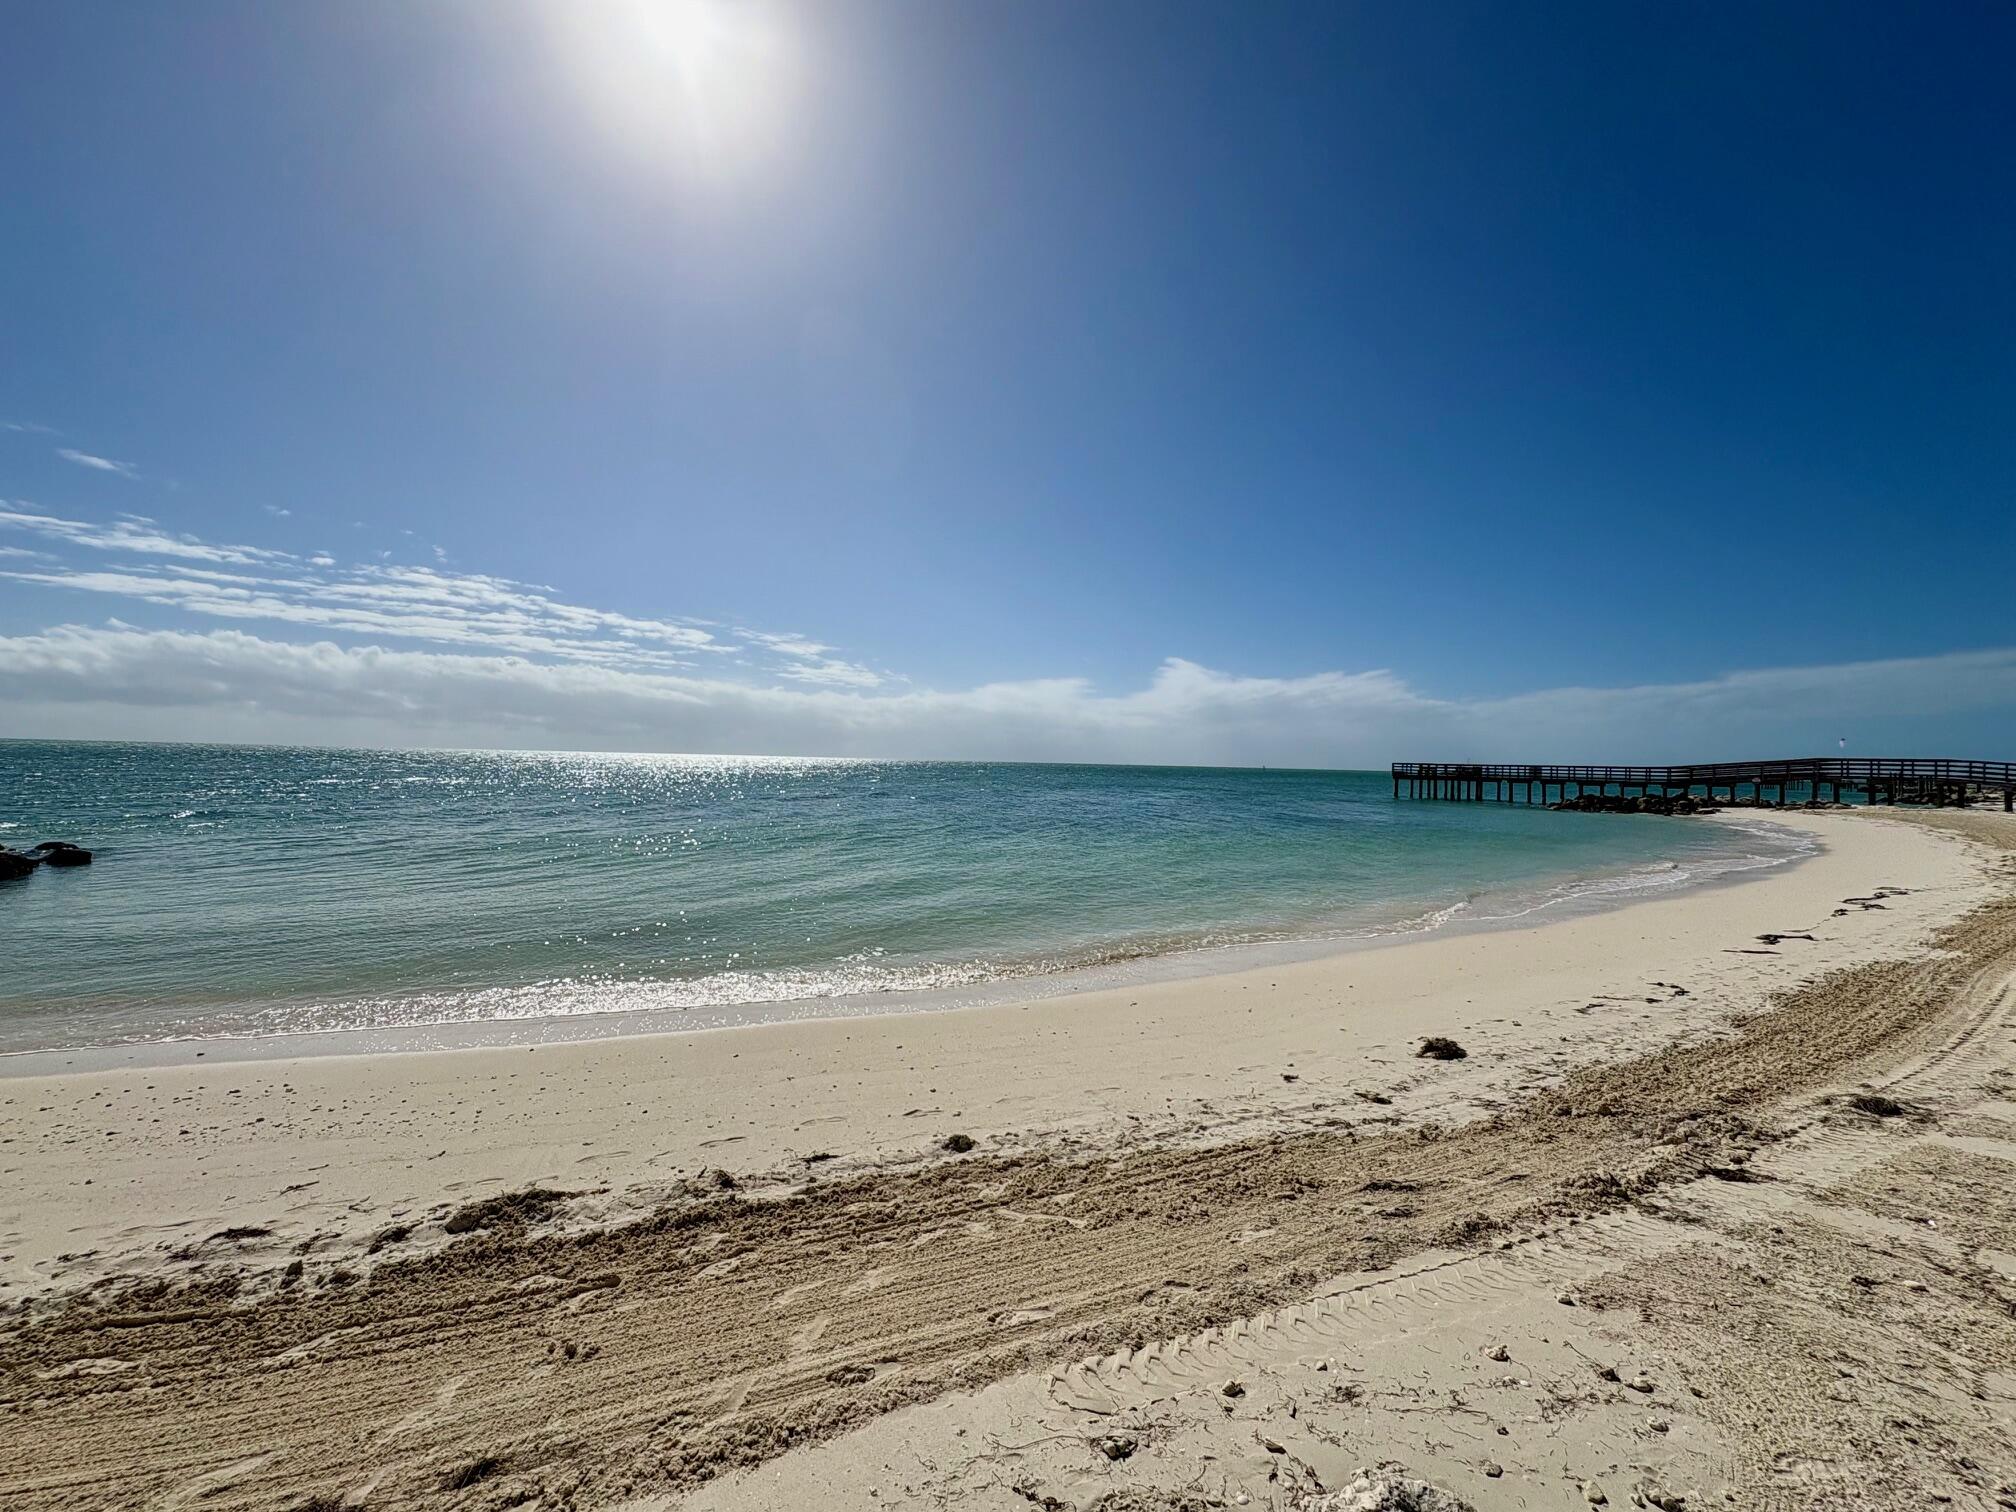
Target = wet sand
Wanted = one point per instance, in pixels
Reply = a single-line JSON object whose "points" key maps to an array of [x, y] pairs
{"points": [[239, 1283]]}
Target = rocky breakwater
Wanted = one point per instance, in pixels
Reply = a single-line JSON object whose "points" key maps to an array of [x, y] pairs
{"points": [[17, 864], [1645, 803]]}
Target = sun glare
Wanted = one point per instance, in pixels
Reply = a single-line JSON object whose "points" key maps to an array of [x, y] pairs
{"points": [[700, 87]]}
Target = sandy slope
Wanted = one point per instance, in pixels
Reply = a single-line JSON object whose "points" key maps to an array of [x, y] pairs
{"points": [[530, 1363]]}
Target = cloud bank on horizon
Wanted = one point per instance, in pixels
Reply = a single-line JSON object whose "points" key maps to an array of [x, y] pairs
{"points": [[382, 653]]}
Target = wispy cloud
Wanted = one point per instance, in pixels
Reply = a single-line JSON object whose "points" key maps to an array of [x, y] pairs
{"points": [[388, 600], [410, 654], [28, 428], [230, 684], [134, 535], [97, 464], [276, 511]]}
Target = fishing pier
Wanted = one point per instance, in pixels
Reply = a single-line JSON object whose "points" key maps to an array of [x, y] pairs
{"points": [[1876, 779]]}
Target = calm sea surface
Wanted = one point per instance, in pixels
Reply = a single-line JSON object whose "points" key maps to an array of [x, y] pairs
{"points": [[256, 891]]}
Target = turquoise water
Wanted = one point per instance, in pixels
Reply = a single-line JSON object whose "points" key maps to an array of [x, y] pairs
{"points": [[260, 891]]}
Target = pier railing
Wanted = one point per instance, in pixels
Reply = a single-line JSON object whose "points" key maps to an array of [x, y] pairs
{"points": [[1879, 778]]}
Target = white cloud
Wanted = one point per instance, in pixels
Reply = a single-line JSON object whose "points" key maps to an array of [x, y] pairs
{"points": [[97, 464], [134, 535], [276, 511], [420, 655], [227, 684], [832, 672], [787, 644], [378, 600]]}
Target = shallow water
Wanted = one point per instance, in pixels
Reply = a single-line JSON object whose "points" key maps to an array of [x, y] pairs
{"points": [[265, 891]]}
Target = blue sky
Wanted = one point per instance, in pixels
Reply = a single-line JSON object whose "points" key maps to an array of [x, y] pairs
{"points": [[1158, 381]]}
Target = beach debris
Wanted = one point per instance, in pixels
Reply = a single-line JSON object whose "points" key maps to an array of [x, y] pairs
{"points": [[239, 1234], [471, 1472], [1116, 1446], [1232, 1388], [1440, 1047], [959, 1144], [1877, 1104], [1665, 1501], [1593, 1494], [1373, 1097], [1388, 1491], [851, 1375], [1499, 1353]]}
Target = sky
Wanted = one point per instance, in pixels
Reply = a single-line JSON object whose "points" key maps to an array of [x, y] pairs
{"points": [[1315, 384]]}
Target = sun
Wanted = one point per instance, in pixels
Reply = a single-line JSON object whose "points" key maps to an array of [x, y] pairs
{"points": [[704, 88]]}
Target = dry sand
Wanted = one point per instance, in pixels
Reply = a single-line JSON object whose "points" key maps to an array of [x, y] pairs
{"points": [[235, 1285]]}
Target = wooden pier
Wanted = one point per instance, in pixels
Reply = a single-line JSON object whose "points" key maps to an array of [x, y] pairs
{"points": [[1878, 779]]}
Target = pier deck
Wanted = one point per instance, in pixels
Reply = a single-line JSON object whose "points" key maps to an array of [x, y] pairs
{"points": [[1878, 779]]}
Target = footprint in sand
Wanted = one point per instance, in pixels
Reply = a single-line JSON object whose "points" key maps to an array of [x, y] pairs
{"points": [[866, 1282], [420, 1417], [803, 1341], [790, 1295], [209, 1483]]}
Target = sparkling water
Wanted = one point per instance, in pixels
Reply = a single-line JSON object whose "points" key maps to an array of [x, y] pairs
{"points": [[242, 891]]}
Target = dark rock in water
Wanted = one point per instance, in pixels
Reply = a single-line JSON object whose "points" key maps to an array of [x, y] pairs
{"points": [[61, 853], [1439, 1047], [1644, 803], [13, 865]]}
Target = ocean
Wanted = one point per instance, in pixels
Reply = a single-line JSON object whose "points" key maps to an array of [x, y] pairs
{"points": [[415, 898]]}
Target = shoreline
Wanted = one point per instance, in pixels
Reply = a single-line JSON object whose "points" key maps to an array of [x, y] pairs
{"points": [[1198, 1059], [321, 1281], [1568, 898]]}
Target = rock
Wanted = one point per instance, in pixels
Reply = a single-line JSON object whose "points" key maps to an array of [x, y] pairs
{"points": [[1593, 1494], [1665, 1501], [1388, 1491], [1117, 1446], [1492, 1469], [1440, 1047], [958, 1144], [61, 853], [1641, 1383], [1232, 1389], [1498, 1352], [1877, 1104], [14, 865]]}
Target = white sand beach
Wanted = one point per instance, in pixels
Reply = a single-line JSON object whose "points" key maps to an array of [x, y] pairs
{"points": [[750, 1272]]}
